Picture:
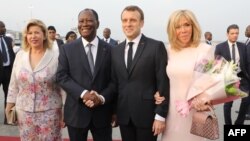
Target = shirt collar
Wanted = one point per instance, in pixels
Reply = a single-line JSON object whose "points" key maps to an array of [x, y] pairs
{"points": [[136, 40], [230, 43], [93, 42], [106, 39]]}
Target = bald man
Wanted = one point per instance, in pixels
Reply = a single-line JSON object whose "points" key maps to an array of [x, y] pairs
{"points": [[106, 35]]}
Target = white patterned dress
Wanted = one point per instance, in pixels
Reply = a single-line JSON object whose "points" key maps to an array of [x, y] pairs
{"points": [[37, 97]]}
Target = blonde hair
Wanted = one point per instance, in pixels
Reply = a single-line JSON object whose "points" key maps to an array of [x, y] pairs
{"points": [[173, 23], [39, 23]]}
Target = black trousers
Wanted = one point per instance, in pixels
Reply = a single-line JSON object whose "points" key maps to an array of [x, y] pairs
{"points": [[245, 102], [5, 80], [248, 112], [98, 134], [227, 112], [132, 133]]}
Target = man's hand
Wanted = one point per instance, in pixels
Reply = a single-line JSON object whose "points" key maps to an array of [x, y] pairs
{"points": [[92, 99], [158, 127]]}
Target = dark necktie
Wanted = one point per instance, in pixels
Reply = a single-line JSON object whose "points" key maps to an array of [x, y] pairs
{"points": [[130, 55], [233, 52], [90, 58], [3, 49]]}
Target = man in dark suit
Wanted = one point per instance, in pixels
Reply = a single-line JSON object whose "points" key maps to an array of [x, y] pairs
{"points": [[1, 68], [7, 57], [107, 38], [84, 72], [138, 71], [208, 37], [52, 36], [247, 34], [235, 51]]}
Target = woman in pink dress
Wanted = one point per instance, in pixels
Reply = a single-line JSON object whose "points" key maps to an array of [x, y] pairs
{"points": [[184, 35]]}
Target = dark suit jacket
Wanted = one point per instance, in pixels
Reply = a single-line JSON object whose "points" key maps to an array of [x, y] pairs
{"points": [[248, 58], [74, 76], [222, 49], [59, 42], [8, 41], [113, 42], [136, 87], [1, 68]]}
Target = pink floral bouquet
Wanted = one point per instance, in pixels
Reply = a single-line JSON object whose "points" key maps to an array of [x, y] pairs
{"points": [[217, 78]]}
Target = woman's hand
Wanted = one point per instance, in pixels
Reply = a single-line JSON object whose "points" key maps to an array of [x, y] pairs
{"points": [[201, 102], [158, 99], [8, 107]]}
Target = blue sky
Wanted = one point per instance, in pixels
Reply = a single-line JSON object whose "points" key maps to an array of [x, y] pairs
{"points": [[213, 15]]}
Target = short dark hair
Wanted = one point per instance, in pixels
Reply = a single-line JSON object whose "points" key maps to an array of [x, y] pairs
{"points": [[232, 26], [51, 28], [93, 11], [68, 34], [134, 8]]}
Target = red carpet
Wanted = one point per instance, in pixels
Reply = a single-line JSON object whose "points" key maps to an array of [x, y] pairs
{"points": [[8, 138]]}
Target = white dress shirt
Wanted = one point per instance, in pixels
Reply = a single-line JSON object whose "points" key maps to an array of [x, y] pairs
{"points": [[135, 46]]}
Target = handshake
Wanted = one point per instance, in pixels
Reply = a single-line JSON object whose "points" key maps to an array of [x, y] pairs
{"points": [[92, 99]]}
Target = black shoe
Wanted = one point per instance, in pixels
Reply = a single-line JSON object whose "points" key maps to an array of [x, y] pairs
{"points": [[237, 112], [247, 117]]}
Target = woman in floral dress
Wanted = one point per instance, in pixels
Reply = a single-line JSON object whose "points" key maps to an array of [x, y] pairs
{"points": [[33, 89]]}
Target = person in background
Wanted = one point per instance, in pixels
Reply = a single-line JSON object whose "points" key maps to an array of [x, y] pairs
{"points": [[70, 36], [208, 37], [56, 43], [16, 46], [235, 51], [138, 71], [84, 72], [184, 35], [58, 36], [7, 56], [107, 38], [1, 68], [33, 90], [247, 34]]}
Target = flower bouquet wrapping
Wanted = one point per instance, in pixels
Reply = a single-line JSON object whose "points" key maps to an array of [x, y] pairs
{"points": [[217, 78]]}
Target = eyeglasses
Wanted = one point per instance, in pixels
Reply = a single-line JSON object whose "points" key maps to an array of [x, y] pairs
{"points": [[184, 26]]}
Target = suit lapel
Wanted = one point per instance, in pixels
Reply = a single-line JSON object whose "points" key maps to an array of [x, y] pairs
{"points": [[138, 53], [227, 52], [46, 59], [83, 56], [101, 52], [239, 47], [121, 57]]}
